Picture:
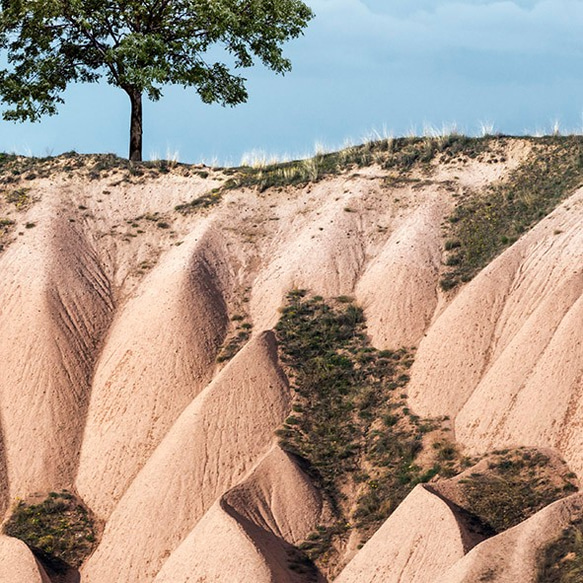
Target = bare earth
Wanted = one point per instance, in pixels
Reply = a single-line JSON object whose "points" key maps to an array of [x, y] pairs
{"points": [[111, 386]]}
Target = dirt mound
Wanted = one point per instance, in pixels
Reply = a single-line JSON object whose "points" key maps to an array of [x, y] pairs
{"points": [[515, 554], [214, 443], [159, 354], [56, 305], [407, 270], [511, 334], [419, 541], [257, 522], [17, 563]]}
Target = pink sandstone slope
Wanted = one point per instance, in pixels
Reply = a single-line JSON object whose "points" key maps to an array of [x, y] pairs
{"points": [[407, 272], [55, 306], [325, 253], [513, 555], [416, 544], [17, 563], [114, 307], [217, 439], [510, 370], [248, 535], [159, 354]]}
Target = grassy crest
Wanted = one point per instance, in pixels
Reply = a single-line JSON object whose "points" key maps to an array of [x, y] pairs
{"points": [[485, 223]]}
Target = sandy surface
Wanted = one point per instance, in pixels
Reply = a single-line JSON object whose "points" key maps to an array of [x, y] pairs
{"points": [[17, 563], [417, 543], [510, 371], [114, 308], [513, 555]]}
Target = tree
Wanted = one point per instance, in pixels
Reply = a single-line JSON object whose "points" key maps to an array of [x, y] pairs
{"points": [[139, 46]]}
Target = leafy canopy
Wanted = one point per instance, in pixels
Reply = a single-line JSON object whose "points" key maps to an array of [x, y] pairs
{"points": [[139, 46]]}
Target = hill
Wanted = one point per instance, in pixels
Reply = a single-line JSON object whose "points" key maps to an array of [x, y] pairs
{"points": [[327, 368]]}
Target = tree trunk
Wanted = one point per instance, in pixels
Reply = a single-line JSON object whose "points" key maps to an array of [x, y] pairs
{"points": [[135, 125]]}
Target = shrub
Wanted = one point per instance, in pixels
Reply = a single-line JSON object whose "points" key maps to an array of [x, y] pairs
{"points": [[349, 423], [59, 530], [516, 485]]}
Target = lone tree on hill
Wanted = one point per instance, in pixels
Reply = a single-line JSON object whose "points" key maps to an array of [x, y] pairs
{"points": [[139, 46]]}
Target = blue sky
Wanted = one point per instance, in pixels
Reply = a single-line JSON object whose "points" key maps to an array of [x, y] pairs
{"points": [[390, 66]]}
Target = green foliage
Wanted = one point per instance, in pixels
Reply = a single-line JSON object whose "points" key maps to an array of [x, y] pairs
{"points": [[139, 47], [398, 154], [320, 541], [59, 530], [6, 227], [241, 333], [562, 560], [517, 485], [18, 197], [206, 200], [484, 224], [350, 421]]}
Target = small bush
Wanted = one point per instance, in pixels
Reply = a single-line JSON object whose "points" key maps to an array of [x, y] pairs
{"points": [[59, 530]]}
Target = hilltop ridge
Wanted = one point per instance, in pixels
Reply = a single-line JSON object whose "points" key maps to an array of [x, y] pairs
{"points": [[146, 380]]}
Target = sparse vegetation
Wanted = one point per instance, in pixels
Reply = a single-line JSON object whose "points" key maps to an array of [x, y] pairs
{"points": [[517, 484], [349, 420], [6, 227], [399, 154], [19, 197], [204, 201], [59, 530], [485, 223], [240, 334], [352, 431], [562, 560], [14, 169]]}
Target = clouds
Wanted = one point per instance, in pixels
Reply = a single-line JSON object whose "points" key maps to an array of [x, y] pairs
{"points": [[417, 26], [362, 64]]}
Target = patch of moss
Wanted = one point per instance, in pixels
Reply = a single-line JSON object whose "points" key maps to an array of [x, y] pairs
{"points": [[59, 530]]}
